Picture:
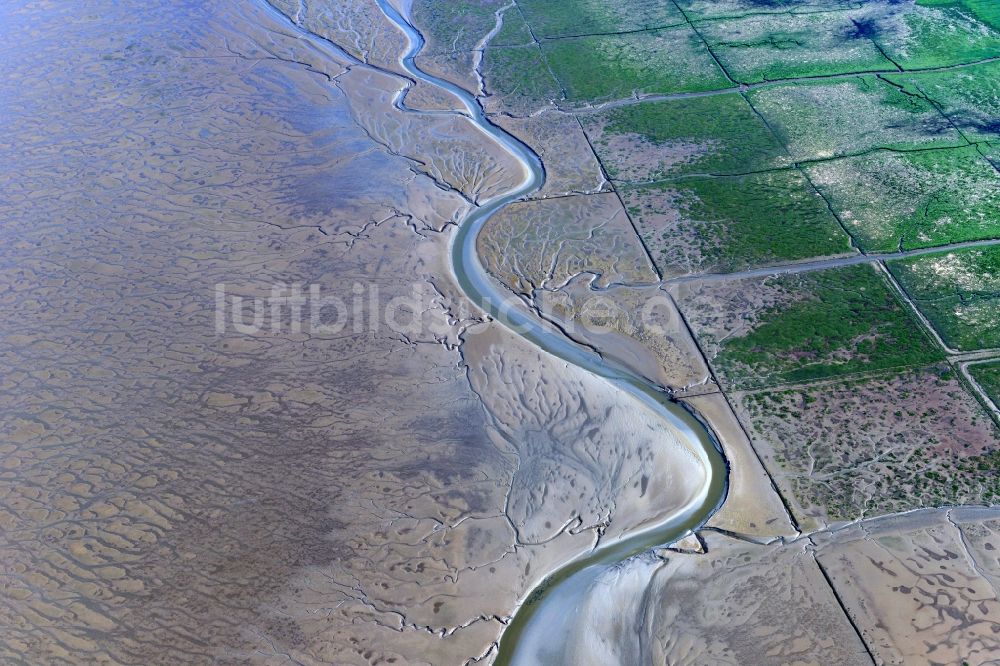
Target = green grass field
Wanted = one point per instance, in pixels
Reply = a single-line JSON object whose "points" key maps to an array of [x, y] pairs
{"points": [[820, 120], [519, 76], [562, 18], [958, 292], [940, 34], [606, 67], [987, 375], [699, 225], [893, 200], [969, 96], [719, 134], [837, 322], [781, 46], [987, 11], [712, 9]]}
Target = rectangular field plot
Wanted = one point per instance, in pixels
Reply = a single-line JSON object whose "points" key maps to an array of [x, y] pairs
{"points": [[969, 96], [921, 37], [517, 79], [705, 225], [894, 442], [564, 18], [708, 9], [844, 117], [898, 201], [958, 292], [717, 134], [605, 67], [986, 11], [782, 46], [801, 327]]}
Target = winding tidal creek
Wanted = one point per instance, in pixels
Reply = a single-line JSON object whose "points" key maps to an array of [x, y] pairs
{"points": [[540, 629]]}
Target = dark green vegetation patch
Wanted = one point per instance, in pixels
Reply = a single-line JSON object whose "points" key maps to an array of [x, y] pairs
{"points": [[824, 324], [519, 77], [987, 375], [697, 225], [896, 201], [613, 66], [717, 134], [958, 292]]}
